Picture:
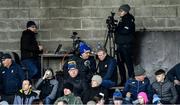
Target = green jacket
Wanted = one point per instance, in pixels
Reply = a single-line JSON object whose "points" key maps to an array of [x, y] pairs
{"points": [[71, 99]]}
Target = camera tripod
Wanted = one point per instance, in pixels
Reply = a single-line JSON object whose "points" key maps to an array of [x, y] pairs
{"points": [[110, 40]]}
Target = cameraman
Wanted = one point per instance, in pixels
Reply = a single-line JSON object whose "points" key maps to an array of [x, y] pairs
{"points": [[124, 35]]}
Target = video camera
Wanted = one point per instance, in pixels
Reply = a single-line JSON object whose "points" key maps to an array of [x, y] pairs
{"points": [[111, 22]]}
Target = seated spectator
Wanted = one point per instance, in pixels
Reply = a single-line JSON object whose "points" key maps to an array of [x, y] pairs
{"points": [[164, 88], [107, 68], [37, 102], [69, 96], [73, 77], [174, 76], [25, 96], [48, 86], [156, 100], [11, 77], [142, 99], [94, 90], [86, 64], [117, 97], [138, 84], [91, 103], [99, 99], [62, 102]]}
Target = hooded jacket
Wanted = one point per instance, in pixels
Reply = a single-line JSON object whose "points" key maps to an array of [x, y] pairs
{"points": [[23, 99]]}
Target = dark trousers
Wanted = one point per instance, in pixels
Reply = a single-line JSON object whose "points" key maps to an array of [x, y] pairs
{"points": [[178, 92], [124, 56]]}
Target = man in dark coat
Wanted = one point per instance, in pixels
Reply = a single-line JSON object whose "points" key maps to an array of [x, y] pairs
{"points": [[107, 68], [30, 49], [124, 35], [79, 83], [174, 76], [11, 76]]}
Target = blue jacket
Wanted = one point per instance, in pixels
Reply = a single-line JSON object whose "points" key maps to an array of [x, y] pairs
{"points": [[11, 78], [22, 99], [134, 87]]}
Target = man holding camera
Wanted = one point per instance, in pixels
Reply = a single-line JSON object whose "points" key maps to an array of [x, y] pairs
{"points": [[123, 39]]}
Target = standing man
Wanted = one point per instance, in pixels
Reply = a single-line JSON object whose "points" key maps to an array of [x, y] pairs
{"points": [[11, 76], [30, 49], [123, 39]]}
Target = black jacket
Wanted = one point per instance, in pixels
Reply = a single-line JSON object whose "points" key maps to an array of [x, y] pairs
{"points": [[174, 73], [29, 46], [79, 84], [86, 67], [166, 91], [107, 69], [93, 91], [125, 30]]}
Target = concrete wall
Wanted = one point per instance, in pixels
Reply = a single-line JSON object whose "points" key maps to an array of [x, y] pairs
{"points": [[57, 19]]}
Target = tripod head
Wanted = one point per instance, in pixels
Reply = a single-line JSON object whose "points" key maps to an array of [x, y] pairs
{"points": [[111, 23]]}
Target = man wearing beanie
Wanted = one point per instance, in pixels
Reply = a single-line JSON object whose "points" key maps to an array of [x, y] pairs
{"points": [[124, 35], [73, 77], [94, 90], [86, 64], [30, 49], [140, 83], [69, 96]]}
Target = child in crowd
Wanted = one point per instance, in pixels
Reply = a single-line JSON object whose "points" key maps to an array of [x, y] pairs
{"points": [[142, 98], [164, 88]]}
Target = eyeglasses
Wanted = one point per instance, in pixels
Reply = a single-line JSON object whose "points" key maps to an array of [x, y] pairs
{"points": [[33, 26]]}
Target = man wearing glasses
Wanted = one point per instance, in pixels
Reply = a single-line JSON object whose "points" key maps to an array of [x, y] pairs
{"points": [[30, 49]]}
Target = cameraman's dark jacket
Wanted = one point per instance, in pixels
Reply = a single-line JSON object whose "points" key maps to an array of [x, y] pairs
{"points": [[107, 69], [79, 84], [125, 30], [166, 91], [29, 45], [86, 67]]}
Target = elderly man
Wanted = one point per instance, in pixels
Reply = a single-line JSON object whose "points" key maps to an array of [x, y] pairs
{"points": [[25, 96], [138, 84], [11, 76], [107, 68]]}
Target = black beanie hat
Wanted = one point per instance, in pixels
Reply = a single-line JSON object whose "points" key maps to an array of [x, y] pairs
{"points": [[125, 7], [68, 86], [30, 23]]}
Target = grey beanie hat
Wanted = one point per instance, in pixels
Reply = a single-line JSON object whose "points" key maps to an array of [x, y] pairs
{"points": [[125, 7], [138, 70], [97, 78]]}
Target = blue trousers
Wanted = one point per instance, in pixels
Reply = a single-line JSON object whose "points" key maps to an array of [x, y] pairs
{"points": [[32, 65]]}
